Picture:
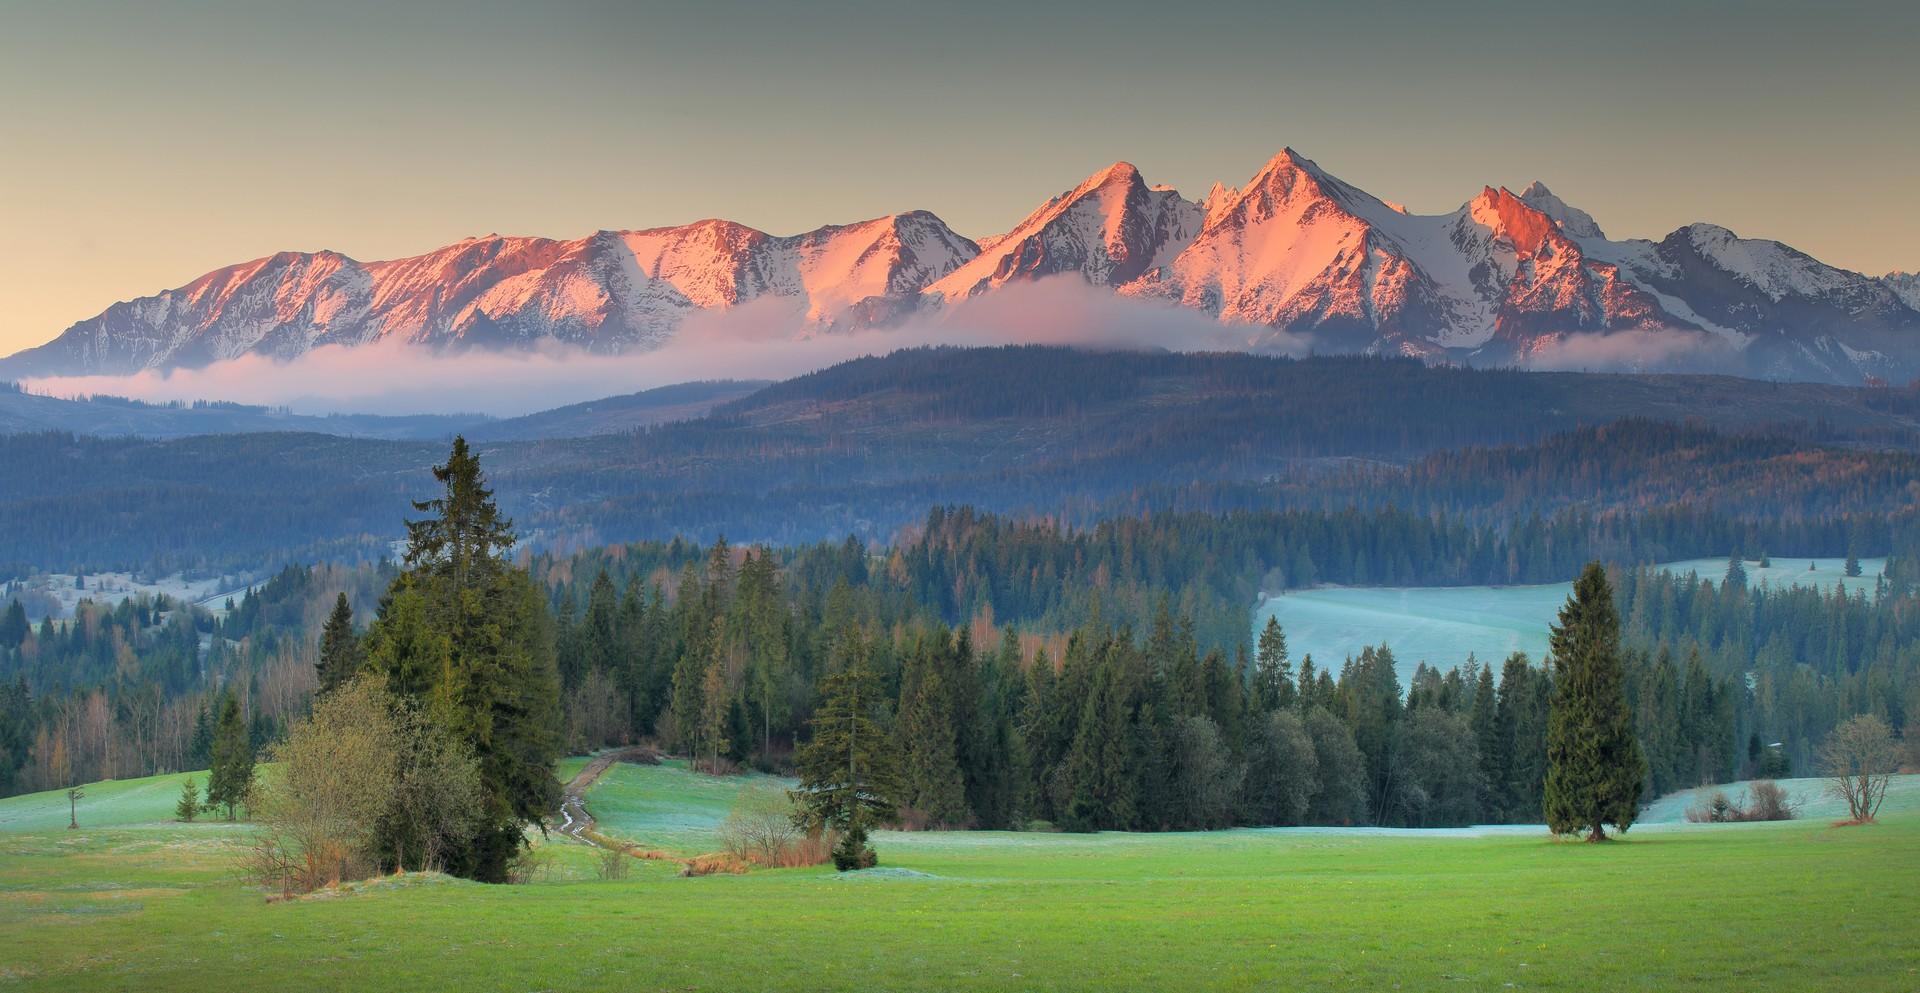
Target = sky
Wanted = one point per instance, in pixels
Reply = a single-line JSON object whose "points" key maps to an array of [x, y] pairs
{"points": [[144, 143]]}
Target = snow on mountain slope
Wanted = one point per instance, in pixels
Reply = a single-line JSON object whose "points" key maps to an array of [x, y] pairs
{"points": [[1289, 250], [1109, 229], [1299, 250], [1905, 285], [606, 292], [1295, 252], [1793, 315], [1574, 221]]}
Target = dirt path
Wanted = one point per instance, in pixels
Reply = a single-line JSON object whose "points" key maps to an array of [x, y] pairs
{"points": [[575, 822]]}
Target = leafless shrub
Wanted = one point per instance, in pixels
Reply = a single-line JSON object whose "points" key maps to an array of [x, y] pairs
{"points": [[1765, 801], [715, 864], [760, 829], [1860, 757], [715, 765], [615, 863], [532, 864]]}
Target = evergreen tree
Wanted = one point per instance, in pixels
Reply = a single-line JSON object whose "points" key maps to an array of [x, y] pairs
{"points": [[14, 627], [1853, 563], [339, 647], [189, 803], [930, 780], [1099, 767], [1736, 572], [231, 777], [1272, 671], [1594, 764], [470, 640], [200, 745], [713, 712], [847, 778], [1484, 719]]}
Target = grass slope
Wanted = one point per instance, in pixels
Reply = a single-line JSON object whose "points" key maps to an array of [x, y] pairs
{"points": [[668, 807], [1796, 906], [1440, 625]]}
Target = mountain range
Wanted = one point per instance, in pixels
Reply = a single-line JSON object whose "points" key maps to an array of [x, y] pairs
{"points": [[1296, 258]]}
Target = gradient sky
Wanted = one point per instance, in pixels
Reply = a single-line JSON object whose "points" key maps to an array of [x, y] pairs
{"points": [[143, 143]]}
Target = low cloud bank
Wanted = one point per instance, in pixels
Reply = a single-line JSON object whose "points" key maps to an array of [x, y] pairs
{"points": [[1637, 350], [764, 339], [769, 338]]}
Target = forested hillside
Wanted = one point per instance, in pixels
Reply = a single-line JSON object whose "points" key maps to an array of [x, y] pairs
{"points": [[1075, 437]]}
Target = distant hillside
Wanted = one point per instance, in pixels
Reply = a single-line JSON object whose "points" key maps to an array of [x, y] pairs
{"points": [[866, 447], [114, 417], [613, 415]]}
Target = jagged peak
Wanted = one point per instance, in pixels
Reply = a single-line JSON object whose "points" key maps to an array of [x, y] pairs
{"points": [[1574, 221], [1119, 172], [1526, 226]]}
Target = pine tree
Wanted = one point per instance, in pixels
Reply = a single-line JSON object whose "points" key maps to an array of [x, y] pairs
{"points": [[1272, 671], [1594, 765], [847, 780], [231, 777], [1736, 572], [339, 647], [713, 711], [14, 627], [1853, 563], [470, 640], [1484, 718], [200, 745], [930, 780], [189, 804], [1099, 766]]}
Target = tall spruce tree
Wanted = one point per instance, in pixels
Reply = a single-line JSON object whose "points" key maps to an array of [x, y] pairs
{"points": [[1594, 765], [1272, 670], [339, 647], [231, 777], [470, 639], [930, 780], [847, 778]]}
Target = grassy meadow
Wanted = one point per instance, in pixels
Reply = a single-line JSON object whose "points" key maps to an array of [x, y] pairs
{"points": [[1441, 625], [133, 900]]}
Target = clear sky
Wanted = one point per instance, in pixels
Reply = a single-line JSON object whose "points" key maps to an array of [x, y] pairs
{"points": [[143, 143]]}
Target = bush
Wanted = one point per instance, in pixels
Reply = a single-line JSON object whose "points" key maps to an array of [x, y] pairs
{"points": [[717, 863], [1765, 801], [852, 851], [531, 864], [615, 863], [364, 783], [761, 829]]}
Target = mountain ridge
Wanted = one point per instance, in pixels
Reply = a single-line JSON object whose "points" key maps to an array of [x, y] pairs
{"points": [[1295, 258]]}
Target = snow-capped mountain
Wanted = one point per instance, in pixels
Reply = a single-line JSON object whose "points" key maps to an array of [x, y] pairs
{"points": [[1296, 253], [1109, 229], [1299, 251], [610, 291]]}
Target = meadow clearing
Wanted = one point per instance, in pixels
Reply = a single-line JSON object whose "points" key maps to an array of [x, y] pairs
{"points": [[1442, 625], [134, 900]]}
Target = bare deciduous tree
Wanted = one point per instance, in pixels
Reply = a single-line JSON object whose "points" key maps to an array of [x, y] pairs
{"points": [[1860, 757]]}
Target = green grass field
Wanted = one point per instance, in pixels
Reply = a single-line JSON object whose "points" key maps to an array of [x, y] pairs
{"points": [[147, 904], [668, 807], [1442, 624]]}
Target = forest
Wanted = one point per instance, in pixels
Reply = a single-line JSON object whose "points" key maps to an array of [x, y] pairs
{"points": [[1076, 437], [722, 650]]}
